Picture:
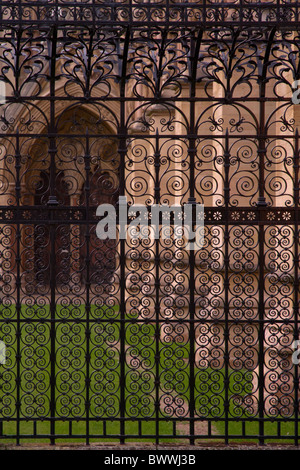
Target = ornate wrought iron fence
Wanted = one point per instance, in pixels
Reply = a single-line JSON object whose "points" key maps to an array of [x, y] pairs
{"points": [[162, 102]]}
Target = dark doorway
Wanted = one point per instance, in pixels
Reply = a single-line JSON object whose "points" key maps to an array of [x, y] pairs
{"points": [[43, 257]]}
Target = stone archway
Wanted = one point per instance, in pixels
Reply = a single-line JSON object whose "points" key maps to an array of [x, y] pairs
{"points": [[79, 167]]}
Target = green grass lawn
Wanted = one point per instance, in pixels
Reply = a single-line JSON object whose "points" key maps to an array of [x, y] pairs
{"points": [[88, 369]]}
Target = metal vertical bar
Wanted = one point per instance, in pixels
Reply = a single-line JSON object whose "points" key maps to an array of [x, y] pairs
{"points": [[204, 10], [20, 11], [261, 204], [261, 137], [296, 280], [130, 11], [122, 132], [226, 284], [87, 167], [167, 11], [52, 203], [18, 287], [17, 62], [241, 8], [192, 327], [261, 335], [261, 381], [192, 201], [195, 47], [157, 289]]}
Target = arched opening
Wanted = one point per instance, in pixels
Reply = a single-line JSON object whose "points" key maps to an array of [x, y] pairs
{"points": [[69, 243]]}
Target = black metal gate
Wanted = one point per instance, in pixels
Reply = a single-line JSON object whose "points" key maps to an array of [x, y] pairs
{"points": [[163, 102]]}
